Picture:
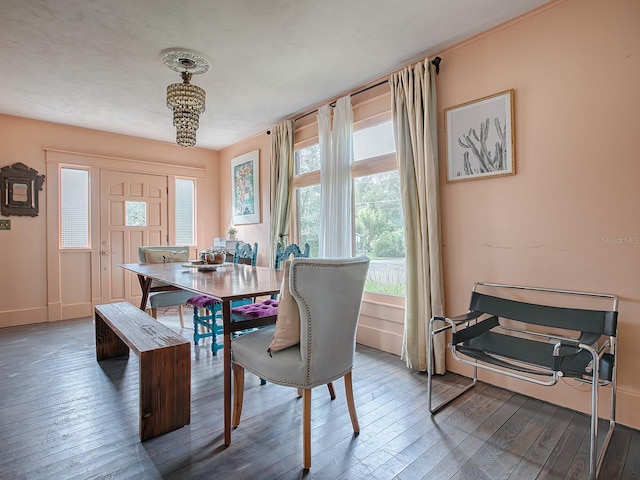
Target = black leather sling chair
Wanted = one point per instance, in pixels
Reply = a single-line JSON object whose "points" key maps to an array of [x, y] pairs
{"points": [[538, 343]]}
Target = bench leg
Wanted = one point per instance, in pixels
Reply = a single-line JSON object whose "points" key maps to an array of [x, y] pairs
{"points": [[165, 390], [108, 344]]}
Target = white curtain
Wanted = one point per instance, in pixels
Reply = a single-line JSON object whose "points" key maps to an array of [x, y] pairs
{"points": [[336, 155], [281, 176], [414, 110]]}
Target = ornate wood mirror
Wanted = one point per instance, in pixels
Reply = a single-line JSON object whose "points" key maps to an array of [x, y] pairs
{"points": [[20, 187]]}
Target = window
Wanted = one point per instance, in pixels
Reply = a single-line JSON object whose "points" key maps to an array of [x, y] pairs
{"points": [[379, 225], [373, 141], [135, 214], [74, 208], [307, 197], [308, 206], [307, 159], [379, 231], [185, 211]]}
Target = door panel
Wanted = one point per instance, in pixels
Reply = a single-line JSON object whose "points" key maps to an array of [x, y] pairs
{"points": [[133, 213]]}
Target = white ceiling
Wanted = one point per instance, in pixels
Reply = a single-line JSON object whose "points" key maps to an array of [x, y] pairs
{"points": [[96, 63]]}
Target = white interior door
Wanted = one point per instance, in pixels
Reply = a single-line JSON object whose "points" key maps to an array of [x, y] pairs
{"points": [[133, 212]]}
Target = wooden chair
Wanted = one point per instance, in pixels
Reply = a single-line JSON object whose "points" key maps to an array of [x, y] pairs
{"points": [[328, 294], [245, 253], [269, 308], [207, 310], [291, 250], [163, 295]]}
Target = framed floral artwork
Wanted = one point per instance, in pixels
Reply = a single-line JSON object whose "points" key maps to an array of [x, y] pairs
{"points": [[245, 182]]}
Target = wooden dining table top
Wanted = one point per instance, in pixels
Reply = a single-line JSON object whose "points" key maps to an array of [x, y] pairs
{"points": [[228, 282]]}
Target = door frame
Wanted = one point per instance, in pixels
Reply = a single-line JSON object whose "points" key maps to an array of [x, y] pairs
{"points": [[57, 307]]}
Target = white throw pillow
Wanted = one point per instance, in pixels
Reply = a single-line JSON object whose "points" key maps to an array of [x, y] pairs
{"points": [[287, 331], [165, 256]]}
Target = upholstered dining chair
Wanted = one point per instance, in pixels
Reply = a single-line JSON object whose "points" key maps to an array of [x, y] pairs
{"points": [[158, 297], [207, 310], [325, 297]]}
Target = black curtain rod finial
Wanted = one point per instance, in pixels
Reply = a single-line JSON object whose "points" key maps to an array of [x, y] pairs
{"points": [[268, 132], [436, 63]]}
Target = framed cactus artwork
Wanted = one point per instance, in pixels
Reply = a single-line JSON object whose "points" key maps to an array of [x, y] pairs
{"points": [[480, 138]]}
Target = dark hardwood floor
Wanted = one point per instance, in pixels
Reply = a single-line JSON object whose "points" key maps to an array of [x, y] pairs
{"points": [[64, 416]]}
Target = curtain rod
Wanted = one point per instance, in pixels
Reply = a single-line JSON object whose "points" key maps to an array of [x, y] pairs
{"points": [[333, 104], [436, 63]]}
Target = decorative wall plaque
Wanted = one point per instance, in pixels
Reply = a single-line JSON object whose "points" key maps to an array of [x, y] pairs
{"points": [[20, 187]]}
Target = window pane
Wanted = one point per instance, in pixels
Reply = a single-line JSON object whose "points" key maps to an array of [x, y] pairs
{"points": [[308, 203], [185, 203], [307, 159], [74, 208], [380, 231], [373, 141], [136, 214]]}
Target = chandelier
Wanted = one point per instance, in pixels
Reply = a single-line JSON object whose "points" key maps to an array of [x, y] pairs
{"points": [[187, 101]]}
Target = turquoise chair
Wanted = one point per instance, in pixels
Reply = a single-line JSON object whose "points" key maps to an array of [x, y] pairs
{"points": [[208, 310], [291, 250], [245, 253], [267, 308]]}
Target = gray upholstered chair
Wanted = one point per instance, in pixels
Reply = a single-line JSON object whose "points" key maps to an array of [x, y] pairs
{"points": [[165, 298], [327, 294]]}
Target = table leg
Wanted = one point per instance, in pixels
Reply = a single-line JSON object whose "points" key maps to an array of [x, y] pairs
{"points": [[145, 286], [226, 326]]}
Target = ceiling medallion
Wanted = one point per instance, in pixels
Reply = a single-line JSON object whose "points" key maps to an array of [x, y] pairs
{"points": [[187, 101]]}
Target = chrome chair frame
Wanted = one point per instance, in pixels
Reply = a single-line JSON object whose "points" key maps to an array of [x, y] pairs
{"points": [[524, 369]]}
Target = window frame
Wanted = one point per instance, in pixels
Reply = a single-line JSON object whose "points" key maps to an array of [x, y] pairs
{"points": [[360, 168]]}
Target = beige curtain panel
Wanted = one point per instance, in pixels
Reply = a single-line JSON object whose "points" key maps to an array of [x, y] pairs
{"points": [[281, 176], [414, 110]]}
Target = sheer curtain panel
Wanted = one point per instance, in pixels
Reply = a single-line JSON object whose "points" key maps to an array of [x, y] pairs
{"points": [[414, 111], [336, 153]]}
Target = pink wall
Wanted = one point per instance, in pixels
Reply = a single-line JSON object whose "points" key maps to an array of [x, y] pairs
{"points": [[569, 217], [258, 232], [23, 279]]}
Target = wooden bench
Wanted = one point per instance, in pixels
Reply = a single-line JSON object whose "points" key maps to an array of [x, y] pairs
{"points": [[165, 364], [554, 334]]}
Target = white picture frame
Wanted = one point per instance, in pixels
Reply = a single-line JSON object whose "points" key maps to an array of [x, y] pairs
{"points": [[245, 188]]}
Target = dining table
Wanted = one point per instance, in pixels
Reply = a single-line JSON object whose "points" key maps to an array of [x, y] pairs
{"points": [[226, 282]]}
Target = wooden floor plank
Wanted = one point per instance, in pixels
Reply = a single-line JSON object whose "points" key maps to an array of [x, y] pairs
{"points": [[632, 462], [63, 415], [533, 461]]}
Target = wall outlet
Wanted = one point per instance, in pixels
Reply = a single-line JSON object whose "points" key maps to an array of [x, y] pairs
{"points": [[5, 224]]}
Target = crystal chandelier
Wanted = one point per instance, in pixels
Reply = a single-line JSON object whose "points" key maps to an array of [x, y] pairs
{"points": [[187, 101]]}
